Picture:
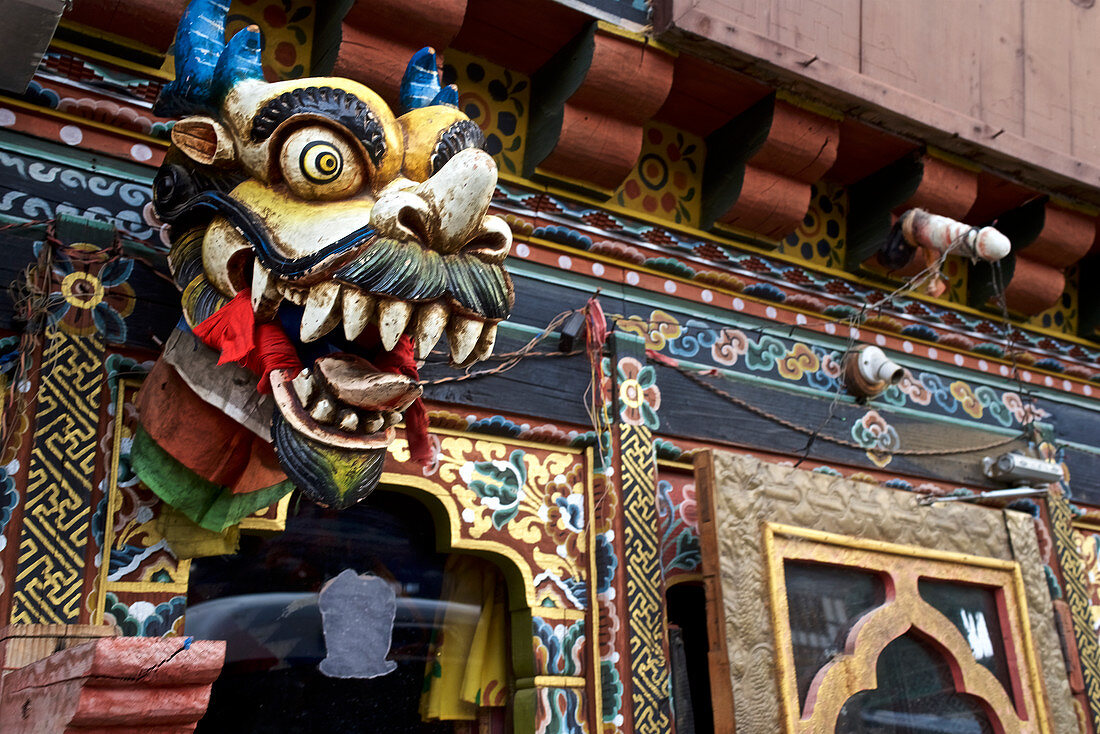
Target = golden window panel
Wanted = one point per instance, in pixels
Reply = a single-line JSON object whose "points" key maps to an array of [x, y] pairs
{"points": [[913, 585], [833, 605]]}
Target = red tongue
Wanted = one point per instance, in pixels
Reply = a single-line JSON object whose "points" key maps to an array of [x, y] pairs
{"points": [[355, 381]]}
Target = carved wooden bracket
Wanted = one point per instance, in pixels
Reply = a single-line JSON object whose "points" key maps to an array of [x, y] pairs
{"points": [[114, 684], [871, 202], [924, 182], [378, 37], [153, 22], [767, 192], [588, 105], [1088, 299], [1040, 273]]}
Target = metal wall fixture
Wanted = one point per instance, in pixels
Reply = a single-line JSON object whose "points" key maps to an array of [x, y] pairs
{"points": [[868, 371], [1011, 468]]}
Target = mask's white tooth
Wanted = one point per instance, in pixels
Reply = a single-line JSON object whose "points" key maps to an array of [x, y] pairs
{"points": [[375, 424], [324, 411], [322, 311], [265, 296], [430, 320], [462, 333], [292, 293], [358, 308], [392, 417], [304, 387], [393, 317], [485, 343], [349, 421]]}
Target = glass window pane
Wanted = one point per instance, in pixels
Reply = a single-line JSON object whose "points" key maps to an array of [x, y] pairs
{"points": [[915, 695], [973, 610], [263, 602], [824, 602]]}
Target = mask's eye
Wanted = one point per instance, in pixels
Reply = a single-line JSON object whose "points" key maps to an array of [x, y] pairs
{"points": [[321, 162], [318, 164]]}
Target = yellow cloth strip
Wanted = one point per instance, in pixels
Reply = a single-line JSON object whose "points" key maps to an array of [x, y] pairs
{"points": [[469, 665]]}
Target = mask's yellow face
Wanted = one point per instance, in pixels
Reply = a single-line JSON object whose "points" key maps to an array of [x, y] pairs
{"points": [[351, 228]]}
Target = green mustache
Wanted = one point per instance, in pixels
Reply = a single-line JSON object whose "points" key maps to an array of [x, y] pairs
{"points": [[408, 271]]}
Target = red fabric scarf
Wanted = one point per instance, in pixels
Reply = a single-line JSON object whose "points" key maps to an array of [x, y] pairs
{"points": [[261, 348]]}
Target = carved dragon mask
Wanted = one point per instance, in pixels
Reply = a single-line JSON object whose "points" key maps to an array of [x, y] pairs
{"points": [[353, 232]]}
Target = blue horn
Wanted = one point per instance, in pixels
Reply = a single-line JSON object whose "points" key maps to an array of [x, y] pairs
{"points": [[206, 68], [420, 85], [239, 61]]}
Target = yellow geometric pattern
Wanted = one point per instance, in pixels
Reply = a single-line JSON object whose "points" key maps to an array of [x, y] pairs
{"points": [[645, 611], [49, 575], [1078, 599]]}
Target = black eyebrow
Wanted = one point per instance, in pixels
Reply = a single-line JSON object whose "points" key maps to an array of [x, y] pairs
{"points": [[343, 108], [459, 136]]}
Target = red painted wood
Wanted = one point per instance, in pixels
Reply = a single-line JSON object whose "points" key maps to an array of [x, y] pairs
{"points": [[152, 22], [705, 96], [601, 135], [1035, 286], [520, 35], [118, 684], [380, 36], [865, 149], [775, 195]]}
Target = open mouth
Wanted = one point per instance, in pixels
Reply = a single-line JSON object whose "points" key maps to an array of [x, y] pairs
{"points": [[352, 391], [401, 288]]}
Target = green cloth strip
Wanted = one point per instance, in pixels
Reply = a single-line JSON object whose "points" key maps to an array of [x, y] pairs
{"points": [[209, 505]]}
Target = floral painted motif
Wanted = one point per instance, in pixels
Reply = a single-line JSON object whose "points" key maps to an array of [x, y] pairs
{"points": [[731, 344], [678, 524], [659, 329], [529, 501], [820, 237], [94, 295], [9, 499], [495, 98], [639, 396], [1088, 548], [765, 353], [989, 399], [557, 711], [878, 437], [911, 388], [788, 359], [565, 517], [612, 693], [138, 552], [499, 484], [668, 176], [1023, 413], [797, 362], [142, 618], [1063, 315], [559, 647], [286, 30], [967, 399], [835, 296]]}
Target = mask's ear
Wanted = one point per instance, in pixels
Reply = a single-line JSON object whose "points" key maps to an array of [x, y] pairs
{"points": [[204, 140]]}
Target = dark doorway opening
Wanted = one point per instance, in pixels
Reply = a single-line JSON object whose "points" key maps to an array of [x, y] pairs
{"points": [[687, 610], [263, 602]]}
